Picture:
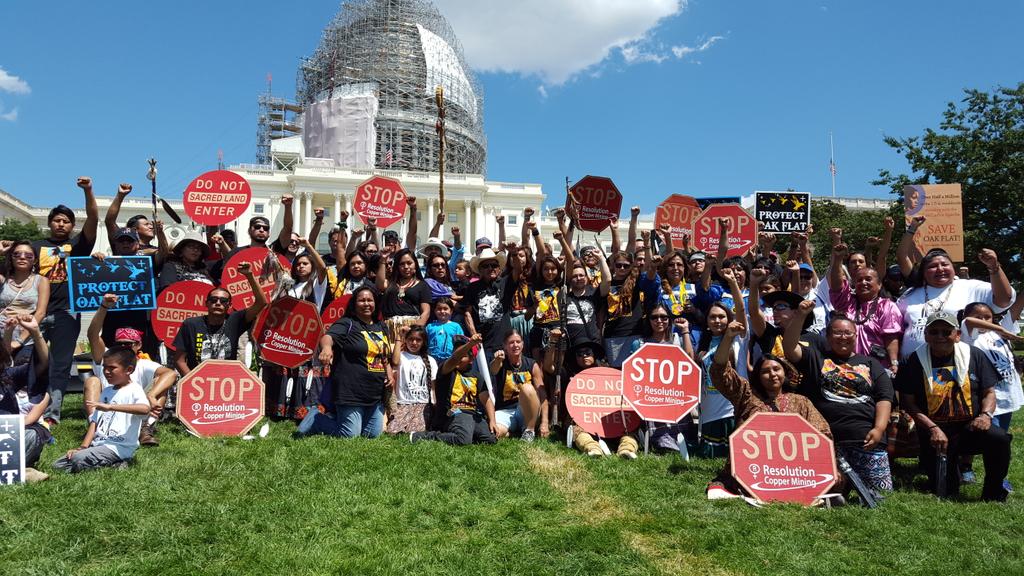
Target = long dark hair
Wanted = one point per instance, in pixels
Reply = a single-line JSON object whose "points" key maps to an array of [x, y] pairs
{"points": [[666, 288], [393, 281], [308, 288], [558, 266], [417, 329], [447, 280], [346, 272], [625, 292], [704, 344], [792, 376]]}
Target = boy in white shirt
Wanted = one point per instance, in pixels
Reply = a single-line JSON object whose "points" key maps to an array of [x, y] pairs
{"points": [[113, 433]]}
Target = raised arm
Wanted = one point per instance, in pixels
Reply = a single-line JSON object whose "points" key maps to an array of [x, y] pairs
{"points": [[606, 275], [318, 224], [1002, 293], [29, 323], [163, 247], [110, 218], [382, 273], [500, 219], [835, 270], [289, 220], [435, 230], [94, 333], [92, 211], [353, 242], [466, 348], [412, 230], [905, 251], [634, 216], [613, 226], [757, 321], [319, 266], [524, 232], [666, 238], [791, 337]]}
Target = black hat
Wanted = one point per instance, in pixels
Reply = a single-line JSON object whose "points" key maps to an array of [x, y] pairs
{"points": [[587, 343]]}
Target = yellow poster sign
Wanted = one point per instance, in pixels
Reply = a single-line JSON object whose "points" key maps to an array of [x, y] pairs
{"points": [[942, 207]]}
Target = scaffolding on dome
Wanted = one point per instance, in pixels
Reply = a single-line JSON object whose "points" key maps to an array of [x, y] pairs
{"points": [[277, 118], [402, 50]]}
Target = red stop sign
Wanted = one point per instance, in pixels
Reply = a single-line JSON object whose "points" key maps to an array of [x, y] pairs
{"points": [[217, 197], [661, 382], [594, 400], [220, 398], [597, 200], [287, 331], [679, 212], [381, 198], [780, 456], [335, 310], [234, 282], [742, 229], [177, 303]]}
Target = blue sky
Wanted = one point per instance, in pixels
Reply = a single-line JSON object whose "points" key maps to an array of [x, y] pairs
{"points": [[701, 97]]}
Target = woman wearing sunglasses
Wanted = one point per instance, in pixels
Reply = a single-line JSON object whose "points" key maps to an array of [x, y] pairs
{"points": [[24, 290]]}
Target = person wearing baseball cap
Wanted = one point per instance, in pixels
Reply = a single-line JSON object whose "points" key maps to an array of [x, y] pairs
{"points": [[483, 243], [948, 388]]}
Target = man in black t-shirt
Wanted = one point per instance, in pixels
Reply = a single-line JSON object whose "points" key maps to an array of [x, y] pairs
{"points": [[59, 327], [214, 336], [852, 391], [259, 233], [486, 300], [461, 396], [948, 388]]}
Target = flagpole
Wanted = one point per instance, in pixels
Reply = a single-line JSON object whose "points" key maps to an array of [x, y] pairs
{"points": [[832, 162]]}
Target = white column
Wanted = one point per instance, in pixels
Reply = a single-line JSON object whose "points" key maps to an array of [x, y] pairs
{"points": [[467, 230], [307, 222], [348, 204], [297, 213], [272, 210], [480, 228], [336, 215]]}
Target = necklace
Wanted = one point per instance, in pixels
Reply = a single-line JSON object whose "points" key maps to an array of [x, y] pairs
{"points": [[872, 308], [928, 309], [402, 287]]}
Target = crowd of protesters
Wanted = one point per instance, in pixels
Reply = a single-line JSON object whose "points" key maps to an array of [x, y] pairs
{"points": [[461, 345]]}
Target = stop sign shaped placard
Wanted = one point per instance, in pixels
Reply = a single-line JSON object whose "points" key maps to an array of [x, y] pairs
{"points": [[780, 456], [594, 400], [597, 200], [381, 198], [220, 398], [335, 310], [234, 282], [287, 331], [742, 229], [679, 212], [178, 302], [661, 382], [217, 197]]}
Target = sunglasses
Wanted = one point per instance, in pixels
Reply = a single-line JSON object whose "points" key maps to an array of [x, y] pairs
{"points": [[261, 227], [488, 265], [623, 265], [659, 318], [23, 255], [585, 353], [219, 299], [128, 343], [438, 265], [781, 307], [939, 331]]}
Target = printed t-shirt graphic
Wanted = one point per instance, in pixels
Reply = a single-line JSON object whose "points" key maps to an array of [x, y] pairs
{"points": [[845, 383], [947, 400], [465, 391], [376, 351], [547, 306]]}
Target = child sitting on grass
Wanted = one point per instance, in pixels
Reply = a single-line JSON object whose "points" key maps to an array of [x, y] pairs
{"points": [[461, 393], [113, 433]]}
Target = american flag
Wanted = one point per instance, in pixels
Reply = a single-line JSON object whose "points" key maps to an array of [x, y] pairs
{"points": [[831, 166], [389, 156]]}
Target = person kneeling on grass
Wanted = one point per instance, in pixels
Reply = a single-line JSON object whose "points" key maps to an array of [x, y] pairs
{"points": [[520, 392], [460, 394], [113, 433], [23, 389], [769, 390]]}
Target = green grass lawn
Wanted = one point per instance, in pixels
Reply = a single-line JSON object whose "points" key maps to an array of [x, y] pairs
{"points": [[329, 506]]}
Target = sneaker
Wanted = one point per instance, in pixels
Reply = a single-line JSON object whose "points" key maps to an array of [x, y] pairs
{"points": [[32, 475], [415, 437], [1007, 486], [717, 491], [628, 454], [147, 435], [595, 452], [528, 435], [968, 477]]}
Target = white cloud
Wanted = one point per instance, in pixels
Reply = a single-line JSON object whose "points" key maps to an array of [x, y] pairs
{"points": [[9, 116], [13, 84], [555, 39], [683, 51], [543, 91]]}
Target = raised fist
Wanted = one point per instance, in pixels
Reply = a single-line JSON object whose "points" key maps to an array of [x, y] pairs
{"points": [[84, 182], [123, 189]]}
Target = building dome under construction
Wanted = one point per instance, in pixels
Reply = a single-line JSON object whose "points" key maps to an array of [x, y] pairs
{"points": [[380, 61]]}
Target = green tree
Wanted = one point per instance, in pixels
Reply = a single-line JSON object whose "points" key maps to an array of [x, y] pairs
{"points": [[12, 229], [980, 145]]}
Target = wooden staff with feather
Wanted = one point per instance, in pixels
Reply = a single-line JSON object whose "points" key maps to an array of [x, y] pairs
{"points": [[439, 99], [151, 176]]}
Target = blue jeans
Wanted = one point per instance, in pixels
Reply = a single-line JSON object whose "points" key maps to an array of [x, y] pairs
{"points": [[347, 422], [1003, 420], [61, 332]]}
